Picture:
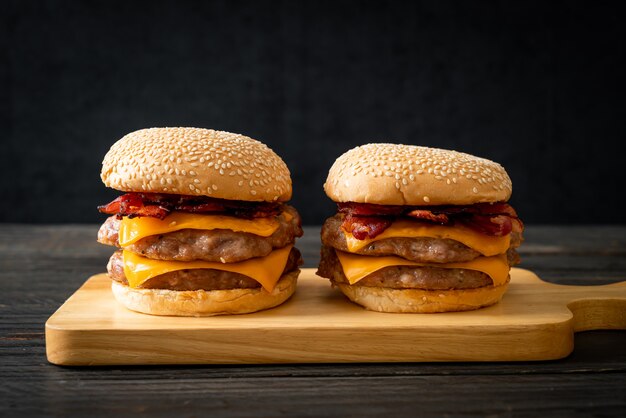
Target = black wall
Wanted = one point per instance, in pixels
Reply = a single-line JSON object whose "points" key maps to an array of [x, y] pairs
{"points": [[536, 86]]}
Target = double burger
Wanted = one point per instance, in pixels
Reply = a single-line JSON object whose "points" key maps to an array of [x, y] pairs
{"points": [[419, 229], [201, 227]]}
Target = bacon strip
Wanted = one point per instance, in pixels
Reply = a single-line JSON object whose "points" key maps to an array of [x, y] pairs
{"points": [[365, 227], [131, 205], [160, 205], [368, 220], [427, 215], [497, 226]]}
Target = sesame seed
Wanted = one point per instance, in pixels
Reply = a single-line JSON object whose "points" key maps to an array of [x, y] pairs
{"points": [[426, 199]]}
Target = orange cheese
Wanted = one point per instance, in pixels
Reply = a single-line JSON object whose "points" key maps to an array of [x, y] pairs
{"points": [[484, 244], [265, 270], [134, 229], [355, 267]]}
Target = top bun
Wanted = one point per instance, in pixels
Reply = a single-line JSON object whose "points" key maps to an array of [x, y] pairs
{"points": [[395, 174], [197, 162]]}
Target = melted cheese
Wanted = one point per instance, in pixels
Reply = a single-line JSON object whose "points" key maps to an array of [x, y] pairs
{"points": [[265, 270], [355, 267], [132, 230], [484, 244]]}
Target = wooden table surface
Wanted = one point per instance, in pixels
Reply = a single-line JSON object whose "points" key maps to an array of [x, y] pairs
{"points": [[41, 265]]}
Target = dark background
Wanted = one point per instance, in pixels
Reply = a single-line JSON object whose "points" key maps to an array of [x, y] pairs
{"points": [[536, 86]]}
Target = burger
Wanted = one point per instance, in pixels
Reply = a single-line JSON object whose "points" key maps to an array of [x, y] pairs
{"points": [[202, 227], [419, 229]]}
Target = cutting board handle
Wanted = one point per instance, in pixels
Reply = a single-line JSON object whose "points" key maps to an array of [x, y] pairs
{"points": [[593, 314], [596, 307]]}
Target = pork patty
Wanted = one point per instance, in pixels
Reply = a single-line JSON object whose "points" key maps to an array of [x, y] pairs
{"points": [[405, 277], [221, 245], [196, 279], [422, 249]]}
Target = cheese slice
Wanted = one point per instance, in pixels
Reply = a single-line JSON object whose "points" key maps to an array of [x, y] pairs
{"points": [[484, 244], [134, 229], [265, 270], [356, 267]]}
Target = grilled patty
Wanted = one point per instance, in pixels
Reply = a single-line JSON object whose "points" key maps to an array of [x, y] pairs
{"points": [[196, 279], [221, 245], [421, 250], [405, 277]]}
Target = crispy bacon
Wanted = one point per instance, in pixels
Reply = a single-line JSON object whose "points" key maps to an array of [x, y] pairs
{"points": [[494, 225], [365, 227], [427, 215], [160, 205], [132, 205], [369, 220]]}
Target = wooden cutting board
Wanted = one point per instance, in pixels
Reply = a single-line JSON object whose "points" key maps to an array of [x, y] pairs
{"points": [[535, 321]]}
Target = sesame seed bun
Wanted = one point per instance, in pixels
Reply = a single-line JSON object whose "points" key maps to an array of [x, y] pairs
{"points": [[381, 299], [395, 174], [205, 302], [197, 162]]}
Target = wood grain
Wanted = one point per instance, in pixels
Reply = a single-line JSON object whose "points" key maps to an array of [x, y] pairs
{"points": [[533, 322]]}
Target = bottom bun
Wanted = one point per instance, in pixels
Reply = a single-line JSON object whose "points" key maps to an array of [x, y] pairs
{"points": [[205, 302], [384, 299]]}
